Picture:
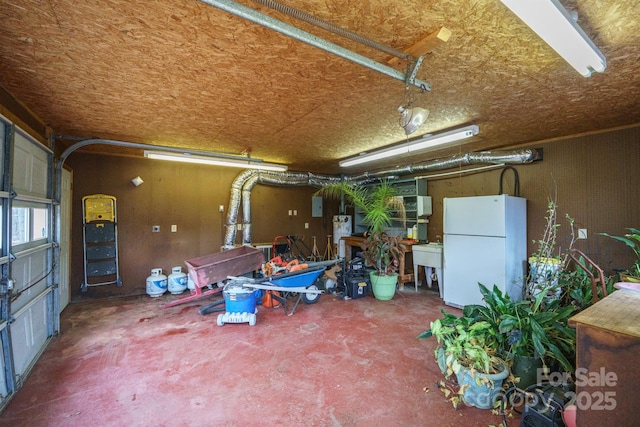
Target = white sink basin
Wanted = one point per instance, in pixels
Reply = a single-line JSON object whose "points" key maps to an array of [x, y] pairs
{"points": [[429, 255]]}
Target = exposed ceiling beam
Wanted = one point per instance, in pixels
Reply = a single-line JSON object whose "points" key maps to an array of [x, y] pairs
{"points": [[424, 46]]}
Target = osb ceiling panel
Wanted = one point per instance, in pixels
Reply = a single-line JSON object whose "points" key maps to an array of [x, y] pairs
{"points": [[183, 73]]}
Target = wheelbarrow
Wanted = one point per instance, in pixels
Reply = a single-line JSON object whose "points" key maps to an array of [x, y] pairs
{"points": [[300, 282]]}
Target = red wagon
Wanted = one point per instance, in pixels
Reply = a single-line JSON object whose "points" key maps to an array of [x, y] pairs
{"points": [[211, 269]]}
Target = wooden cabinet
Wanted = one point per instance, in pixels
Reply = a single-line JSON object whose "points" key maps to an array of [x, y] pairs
{"points": [[608, 365], [417, 206]]}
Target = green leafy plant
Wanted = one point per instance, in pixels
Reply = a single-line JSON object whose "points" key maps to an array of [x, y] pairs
{"points": [[469, 349], [631, 239], [467, 343], [577, 290], [537, 328], [383, 252]]}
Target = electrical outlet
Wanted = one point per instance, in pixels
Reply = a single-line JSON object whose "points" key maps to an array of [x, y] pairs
{"points": [[221, 208], [582, 233], [290, 212], [306, 225], [174, 228], [155, 229], [295, 212]]}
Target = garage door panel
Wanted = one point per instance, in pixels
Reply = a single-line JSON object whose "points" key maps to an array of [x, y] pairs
{"points": [[30, 168], [29, 272], [29, 333]]}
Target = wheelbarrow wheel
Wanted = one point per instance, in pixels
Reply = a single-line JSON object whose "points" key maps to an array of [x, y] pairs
{"points": [[311, 298]]}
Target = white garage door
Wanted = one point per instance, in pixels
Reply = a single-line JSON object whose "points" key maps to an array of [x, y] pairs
{"points": [[26, 289]]}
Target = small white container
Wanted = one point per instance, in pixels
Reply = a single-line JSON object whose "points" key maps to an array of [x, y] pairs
{"points": [[177, 281], [156, 283]]}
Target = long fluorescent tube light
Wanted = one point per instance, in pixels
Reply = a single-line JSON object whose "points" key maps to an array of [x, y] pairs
{"points": [[557, 27], [425, 142], [217, 161]]}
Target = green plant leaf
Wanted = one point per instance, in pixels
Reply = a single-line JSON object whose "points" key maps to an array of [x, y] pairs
{"points": [[508, 324], [425, 334], [537, 337]]}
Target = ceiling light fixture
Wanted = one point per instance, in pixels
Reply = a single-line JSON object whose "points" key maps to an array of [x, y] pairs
{"points": [[427, 141], [412, 118], [551, 21], [217, 160]]}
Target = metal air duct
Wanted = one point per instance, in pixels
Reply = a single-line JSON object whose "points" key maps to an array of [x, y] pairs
{"points": [[245, 181]]}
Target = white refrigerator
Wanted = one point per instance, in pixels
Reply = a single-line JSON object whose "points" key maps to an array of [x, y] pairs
{"points": [[485, 241]]}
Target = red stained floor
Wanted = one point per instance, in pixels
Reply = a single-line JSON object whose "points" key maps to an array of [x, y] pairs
{"points": [[336, 363]]}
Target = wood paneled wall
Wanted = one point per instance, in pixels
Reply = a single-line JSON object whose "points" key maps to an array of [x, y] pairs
{"points": [[188, 196]]}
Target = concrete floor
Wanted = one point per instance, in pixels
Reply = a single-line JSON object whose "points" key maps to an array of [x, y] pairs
{"points": [[127, 362]]}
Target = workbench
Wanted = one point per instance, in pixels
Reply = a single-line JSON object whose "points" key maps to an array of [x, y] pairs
{"points": [[403, 276], [607, 368]]}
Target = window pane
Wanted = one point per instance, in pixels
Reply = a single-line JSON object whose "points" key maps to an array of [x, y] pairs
{"points": [[40, 224], [19, 225]]}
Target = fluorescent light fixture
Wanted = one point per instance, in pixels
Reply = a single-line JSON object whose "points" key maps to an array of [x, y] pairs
{"points": [[423, 143], [238, 162], [557, 27]]}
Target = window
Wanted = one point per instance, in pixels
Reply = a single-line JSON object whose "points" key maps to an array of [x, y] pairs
{"points": [[19, 229], [29, 224], [39, 225]]}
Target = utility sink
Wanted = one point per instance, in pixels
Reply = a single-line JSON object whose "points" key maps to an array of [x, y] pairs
{"points": [[430, 256]]}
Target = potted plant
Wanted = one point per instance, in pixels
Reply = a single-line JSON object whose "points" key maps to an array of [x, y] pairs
{"points": [[381, 251], [532, 333], [547, 262], [469, 349], [631, 239]]}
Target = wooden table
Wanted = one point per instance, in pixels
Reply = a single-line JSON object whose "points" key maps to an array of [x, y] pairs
{"points": [[403, 277], [608, 369]]}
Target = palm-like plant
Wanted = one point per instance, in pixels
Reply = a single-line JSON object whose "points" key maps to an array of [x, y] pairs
{"points": [[380, 205]]}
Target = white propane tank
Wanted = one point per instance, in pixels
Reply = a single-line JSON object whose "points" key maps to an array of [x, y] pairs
{"points": [[177, 282], [156, 283]]}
